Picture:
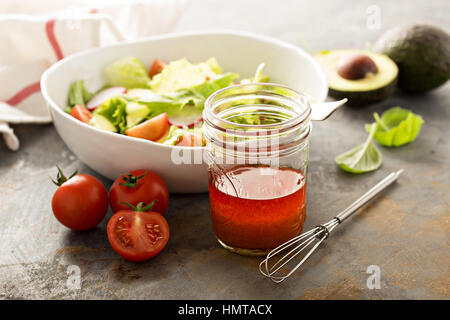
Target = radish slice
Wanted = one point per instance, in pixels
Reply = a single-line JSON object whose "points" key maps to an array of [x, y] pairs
{"points": [[185, 121], [103, 95]]}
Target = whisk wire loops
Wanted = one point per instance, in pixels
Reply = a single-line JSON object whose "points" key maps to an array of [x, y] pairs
{"points": [[278, 271]]}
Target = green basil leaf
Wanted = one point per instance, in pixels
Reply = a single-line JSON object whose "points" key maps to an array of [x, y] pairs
{"points": [[363, 158], [396, 127]]}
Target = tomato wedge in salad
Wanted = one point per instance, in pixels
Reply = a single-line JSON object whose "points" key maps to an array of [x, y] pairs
{"points": [[157, 67], [152, 129], [81, 113], [137, 235]]}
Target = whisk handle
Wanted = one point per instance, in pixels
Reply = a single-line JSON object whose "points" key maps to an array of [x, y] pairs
{"points": [[380, 186]]}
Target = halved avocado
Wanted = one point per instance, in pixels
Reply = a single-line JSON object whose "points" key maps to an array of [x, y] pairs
{"points": [[362, 76]]}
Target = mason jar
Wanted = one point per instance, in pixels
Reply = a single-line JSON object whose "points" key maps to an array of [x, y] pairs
{"points": [[257, 145]]}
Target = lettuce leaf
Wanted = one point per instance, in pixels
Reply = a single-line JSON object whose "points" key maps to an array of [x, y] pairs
{"points": [[207, 88], [396, 127], [363, 158], [182, 74], [78, 94], [128, 72], [175, 103], [114, 110]]}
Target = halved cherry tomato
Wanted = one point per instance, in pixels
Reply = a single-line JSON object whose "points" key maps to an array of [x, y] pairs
{"points": [[191, 140], [152, 129], [80, 202], [156, 67], [137, 235], [81, 113], [139, 186]]}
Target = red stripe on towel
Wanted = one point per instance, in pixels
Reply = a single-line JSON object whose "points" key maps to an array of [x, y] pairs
{"points": [[50, 31], [24, 93]]}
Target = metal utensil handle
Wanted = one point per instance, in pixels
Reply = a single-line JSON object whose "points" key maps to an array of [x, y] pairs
{"points": [[368, 195], [321, 111]]}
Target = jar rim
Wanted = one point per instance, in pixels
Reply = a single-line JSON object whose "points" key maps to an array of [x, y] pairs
{"points": [[210, 116]]}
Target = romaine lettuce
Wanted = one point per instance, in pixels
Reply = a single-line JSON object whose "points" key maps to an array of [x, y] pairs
{"points": [[78, 94]]}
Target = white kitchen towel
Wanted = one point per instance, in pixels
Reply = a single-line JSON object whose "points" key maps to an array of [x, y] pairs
{"points": [[50, 31]]}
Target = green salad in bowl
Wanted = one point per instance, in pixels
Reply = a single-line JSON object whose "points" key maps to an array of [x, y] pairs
{"points": [[163, 104]]}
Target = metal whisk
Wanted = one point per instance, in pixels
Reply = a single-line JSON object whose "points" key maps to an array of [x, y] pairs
{"points": [[314, 237]]}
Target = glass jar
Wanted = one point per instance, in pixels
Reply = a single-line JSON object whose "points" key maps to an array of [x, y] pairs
{"points": [[257, 145]]}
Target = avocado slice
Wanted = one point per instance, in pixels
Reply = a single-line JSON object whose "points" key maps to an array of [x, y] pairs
{"points": [[378, 83], [422, 53]]}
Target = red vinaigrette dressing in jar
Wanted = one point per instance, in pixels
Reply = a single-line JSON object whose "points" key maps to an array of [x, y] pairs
{"points": [[262, 207], [257, 147]]}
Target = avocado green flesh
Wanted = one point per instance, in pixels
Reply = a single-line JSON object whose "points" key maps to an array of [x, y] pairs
{"points": [[372, 88], [365, 97], [422, 53]]}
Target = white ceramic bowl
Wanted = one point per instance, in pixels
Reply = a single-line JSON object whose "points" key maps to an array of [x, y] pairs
{"points": [[111, 154]]}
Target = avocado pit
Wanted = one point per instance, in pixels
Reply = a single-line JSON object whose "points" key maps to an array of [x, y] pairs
{"points": [[356, 66]]}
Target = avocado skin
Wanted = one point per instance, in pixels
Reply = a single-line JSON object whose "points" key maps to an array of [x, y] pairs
{"points": [[362, 98], [422, 54]]}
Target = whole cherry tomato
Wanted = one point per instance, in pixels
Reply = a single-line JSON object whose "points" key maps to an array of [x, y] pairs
{"points": [[139, 186], [80, 202]]}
